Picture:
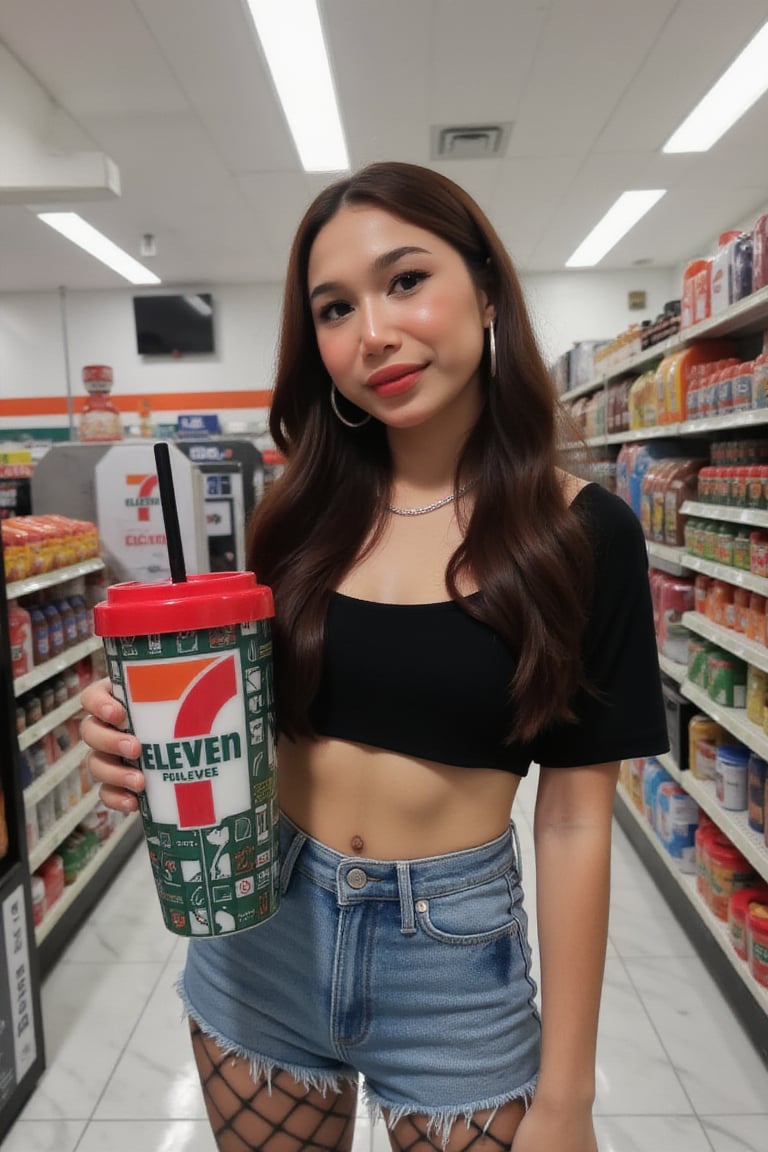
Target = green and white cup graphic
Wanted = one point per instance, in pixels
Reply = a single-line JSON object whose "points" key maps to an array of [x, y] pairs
{"points": [[192, 663]]}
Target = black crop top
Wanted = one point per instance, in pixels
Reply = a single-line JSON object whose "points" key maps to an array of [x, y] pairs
{"points": [[428, 681]]}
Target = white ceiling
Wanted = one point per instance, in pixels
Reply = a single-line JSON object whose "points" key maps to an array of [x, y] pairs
{"points": [[178, 94]]}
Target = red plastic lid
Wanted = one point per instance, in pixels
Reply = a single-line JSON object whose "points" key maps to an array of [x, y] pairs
{"points": [[757, 917], [205, 600], [726, 853], [743, 897], [94, 372]]}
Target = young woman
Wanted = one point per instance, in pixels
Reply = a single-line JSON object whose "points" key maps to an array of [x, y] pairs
{"points": [[450, 607]]}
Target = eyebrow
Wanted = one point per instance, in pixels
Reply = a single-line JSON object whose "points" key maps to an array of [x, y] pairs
{"points": [[380, 264]]}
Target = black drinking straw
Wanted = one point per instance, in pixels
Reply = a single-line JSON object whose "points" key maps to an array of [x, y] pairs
{"points": [[170, 514]]}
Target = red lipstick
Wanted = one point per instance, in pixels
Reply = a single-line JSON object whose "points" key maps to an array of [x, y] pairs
{"points": [[395, 379]]}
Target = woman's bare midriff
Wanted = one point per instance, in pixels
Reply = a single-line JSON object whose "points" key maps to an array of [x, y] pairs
{"points": [[367, 801]]}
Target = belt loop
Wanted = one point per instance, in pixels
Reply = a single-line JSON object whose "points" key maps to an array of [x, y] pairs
{"points": [[291, 856], [518, 853], [407, 921]]}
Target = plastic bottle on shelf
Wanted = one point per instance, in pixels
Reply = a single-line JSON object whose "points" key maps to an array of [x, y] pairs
{"points": [[77, 603], [20, 634], [68, 621], [41, 647], [99, 419], [55, 629]]}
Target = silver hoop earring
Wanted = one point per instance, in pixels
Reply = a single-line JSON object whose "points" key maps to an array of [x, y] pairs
{"points": [[492, 349], [349, 423]]}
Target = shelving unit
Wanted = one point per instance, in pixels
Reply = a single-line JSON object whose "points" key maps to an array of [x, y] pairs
{"points": [[51, 668], [36, 731], [730, 575], [125, 831], [709, 933], [744, 318], [751, 844], [51, 579], [726, 638], [64, 917], [67, 763], [672, 669], [666, 558], [62, 828], [753, 517], [734, 720], [750, 1001]]}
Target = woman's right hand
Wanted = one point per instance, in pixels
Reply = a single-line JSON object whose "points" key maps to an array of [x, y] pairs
{"points": [[110, 748]]}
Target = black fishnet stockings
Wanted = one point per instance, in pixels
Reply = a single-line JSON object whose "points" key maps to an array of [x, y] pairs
{"points": [[246, 1117], [410, 1133]]}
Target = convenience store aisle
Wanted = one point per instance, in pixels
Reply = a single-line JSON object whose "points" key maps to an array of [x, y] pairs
{"points": [[676, 1073]]}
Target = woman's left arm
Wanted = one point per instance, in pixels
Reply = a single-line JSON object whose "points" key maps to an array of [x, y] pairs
{"points": [[572, 835]]}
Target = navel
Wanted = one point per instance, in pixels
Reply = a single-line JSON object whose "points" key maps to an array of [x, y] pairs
{"points": [[357, 843]]}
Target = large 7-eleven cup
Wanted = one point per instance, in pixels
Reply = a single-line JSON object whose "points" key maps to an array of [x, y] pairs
{"points": [[192, 663]]}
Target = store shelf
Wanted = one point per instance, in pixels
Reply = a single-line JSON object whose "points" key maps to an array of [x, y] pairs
{"points": [[742, 318], [50, 668], [44, 784], [49, 722], [72, 891], [748, 418], [686, 884], [665, 558], [62, 829], [635, 363], [51, 579], [669, 765], [751, 844], [734, 720], [672, 669], [751, 516], [724, 572], [634, 434], [734, 642]]}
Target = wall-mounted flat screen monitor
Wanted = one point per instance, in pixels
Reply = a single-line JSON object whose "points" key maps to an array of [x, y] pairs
{"points": [[174, 325]]}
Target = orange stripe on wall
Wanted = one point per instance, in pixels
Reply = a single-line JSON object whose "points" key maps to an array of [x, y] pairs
{"points": [[165, 402]]}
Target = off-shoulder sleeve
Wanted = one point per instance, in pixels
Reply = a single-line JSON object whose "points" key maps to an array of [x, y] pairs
{"points": [[626, 717]]}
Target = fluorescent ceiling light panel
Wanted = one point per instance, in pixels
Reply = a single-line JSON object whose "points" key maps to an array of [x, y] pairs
{"points": [[292, 39], [737, 90], [77, 230], [625, 213]]}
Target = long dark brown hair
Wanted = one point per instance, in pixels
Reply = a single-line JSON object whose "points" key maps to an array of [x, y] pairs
{"points": [[522, 547]]}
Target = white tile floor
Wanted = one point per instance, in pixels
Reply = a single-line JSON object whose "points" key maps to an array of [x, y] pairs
{"points": [[675, 1073]]}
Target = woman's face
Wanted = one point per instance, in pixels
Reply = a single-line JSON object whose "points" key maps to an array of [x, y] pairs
{"points": [[399, 320]]}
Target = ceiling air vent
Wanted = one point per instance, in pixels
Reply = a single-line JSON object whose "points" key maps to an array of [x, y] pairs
{"points": [[470, 141]]}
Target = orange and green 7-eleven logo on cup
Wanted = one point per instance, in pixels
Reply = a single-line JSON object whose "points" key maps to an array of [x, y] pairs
{"points": [[188, 715]]}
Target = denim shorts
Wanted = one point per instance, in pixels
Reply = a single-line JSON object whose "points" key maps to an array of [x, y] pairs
{"points": [[415, 974]]}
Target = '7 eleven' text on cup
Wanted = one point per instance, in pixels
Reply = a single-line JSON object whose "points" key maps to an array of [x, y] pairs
{"points": [[199, 776]]}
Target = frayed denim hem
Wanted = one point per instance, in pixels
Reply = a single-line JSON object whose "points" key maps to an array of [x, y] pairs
{"points": [[441, 1120], [262, 1067]]}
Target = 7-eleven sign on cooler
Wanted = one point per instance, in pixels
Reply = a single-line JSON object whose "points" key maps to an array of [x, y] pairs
{"points": [[199, 777]]}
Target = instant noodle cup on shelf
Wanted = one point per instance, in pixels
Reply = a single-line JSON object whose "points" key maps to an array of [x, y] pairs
{"points": [[757, 941], [704, 738], [738, 906], [728, 872]]}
